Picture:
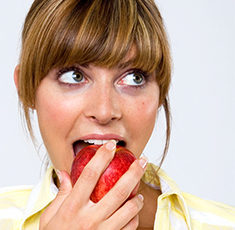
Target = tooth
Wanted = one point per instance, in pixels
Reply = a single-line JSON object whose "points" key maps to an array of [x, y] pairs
{"points": [[97, 142], [87, 141]]}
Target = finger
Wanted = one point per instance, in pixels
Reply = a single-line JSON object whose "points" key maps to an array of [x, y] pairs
{"points": [[123, 188], [92, 171], [126, 215], [64, 190], [133, 224]]}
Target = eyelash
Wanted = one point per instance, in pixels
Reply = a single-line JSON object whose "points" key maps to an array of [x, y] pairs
{"points": [[146, 76], [65, 70]]}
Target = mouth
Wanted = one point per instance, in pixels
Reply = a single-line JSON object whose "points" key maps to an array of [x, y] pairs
{"points": [[80, 144]]}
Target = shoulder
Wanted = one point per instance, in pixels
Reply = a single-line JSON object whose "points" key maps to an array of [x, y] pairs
{"points": [[187, 209], [20, 191], [13, 200], [208, 212]]}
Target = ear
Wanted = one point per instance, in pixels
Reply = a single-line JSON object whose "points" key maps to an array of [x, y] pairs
{"points": [[16, 77]]}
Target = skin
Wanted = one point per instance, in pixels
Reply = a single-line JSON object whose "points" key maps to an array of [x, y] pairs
{"points": [[104, 102], [98, 106]]}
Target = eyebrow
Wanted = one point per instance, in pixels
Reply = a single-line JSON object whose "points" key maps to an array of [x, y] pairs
{"points": [[85, 65], [121, 65]]}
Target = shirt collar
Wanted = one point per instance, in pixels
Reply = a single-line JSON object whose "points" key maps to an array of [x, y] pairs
{"points": [[45, 191], [42, 194], [158, 179]]}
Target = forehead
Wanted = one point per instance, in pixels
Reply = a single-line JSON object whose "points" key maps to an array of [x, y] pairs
{"points": [[125, 62], [128, 59]]}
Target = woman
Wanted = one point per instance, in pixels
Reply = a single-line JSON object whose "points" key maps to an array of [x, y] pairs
{"points": [[97, 72]]}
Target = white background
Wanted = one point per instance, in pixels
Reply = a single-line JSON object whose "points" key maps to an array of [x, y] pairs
{"points": [[201, 157]]}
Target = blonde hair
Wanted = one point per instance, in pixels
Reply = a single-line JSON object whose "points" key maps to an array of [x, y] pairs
{"points": [[59, 33]]}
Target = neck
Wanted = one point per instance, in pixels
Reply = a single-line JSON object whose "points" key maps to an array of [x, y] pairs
{"points": [[148, 212]]}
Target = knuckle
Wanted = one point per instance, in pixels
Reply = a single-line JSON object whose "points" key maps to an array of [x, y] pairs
{"points": [[121, 193], [62, 192], [89, 174], [135, 222], [71, 210], [133, 207], [87, 224], [91, 225], [137, 170]]}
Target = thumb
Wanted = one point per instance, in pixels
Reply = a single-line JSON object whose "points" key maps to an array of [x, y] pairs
{"points": [[65, 186], [64, 190]]}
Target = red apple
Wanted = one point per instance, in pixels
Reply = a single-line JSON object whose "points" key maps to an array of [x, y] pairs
{"points": [[118, 166]]}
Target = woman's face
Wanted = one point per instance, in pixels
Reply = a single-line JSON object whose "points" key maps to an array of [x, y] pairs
{"points": [[93, 103]]}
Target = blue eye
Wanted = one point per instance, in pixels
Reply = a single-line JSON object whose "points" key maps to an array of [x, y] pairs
{"points": [[133, 79], [71, 76]]}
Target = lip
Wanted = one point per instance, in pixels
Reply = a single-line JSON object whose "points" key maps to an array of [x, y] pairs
{"points": [[108, 136]]}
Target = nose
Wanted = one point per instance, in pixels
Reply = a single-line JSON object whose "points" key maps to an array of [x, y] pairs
{"points": [[103, 105]]}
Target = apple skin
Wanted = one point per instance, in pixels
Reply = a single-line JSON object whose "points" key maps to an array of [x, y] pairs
{"points": [[121, 162]]}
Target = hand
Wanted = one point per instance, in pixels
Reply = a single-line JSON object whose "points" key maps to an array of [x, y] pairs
{"points": [[72, 208]]}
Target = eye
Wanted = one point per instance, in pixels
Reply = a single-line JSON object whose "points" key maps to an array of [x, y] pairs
{"points": [[71, 76], [135, 78]]}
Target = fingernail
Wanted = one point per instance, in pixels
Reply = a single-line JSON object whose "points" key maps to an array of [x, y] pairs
{"points": [[141, 197], [110, 145], [143, 161], [58, 173]]}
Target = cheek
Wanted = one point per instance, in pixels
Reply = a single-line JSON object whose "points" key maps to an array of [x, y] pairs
{"points": [[142, 116], [51, 112], [146, 111], [55, 113], [141, 122]]}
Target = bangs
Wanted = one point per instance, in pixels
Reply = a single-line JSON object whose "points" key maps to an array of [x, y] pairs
{"points": [[62, 33], [99, 32]]}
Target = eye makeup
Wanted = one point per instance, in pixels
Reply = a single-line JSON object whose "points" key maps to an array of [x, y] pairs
{"points": [[75, 77]]}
